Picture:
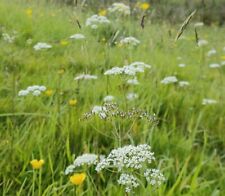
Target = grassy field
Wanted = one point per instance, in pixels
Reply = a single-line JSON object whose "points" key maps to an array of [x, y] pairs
{"points": [[186, 135]]}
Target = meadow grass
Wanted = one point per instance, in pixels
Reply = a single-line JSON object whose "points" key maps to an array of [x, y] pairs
{"points": [[188, 140]]}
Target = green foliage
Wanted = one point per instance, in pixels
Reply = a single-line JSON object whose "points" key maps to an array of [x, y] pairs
{"points": [[188, 140]]}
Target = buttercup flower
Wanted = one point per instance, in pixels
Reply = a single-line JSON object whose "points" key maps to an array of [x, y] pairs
{"points": [[29, 12], [77, 178], [72, 102], [144, 6], [37, 164], [64, 43], [102, 12], [49, 92]]}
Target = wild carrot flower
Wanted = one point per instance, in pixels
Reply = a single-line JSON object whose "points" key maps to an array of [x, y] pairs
{"points": [[97, 20], [129, 181], [35, 90], [182, 65], [127, 157], [211, 52], [131, 161], [77, 36], [129, 41], [83, 160], [202, 43], [198, 24], [37, 164], [119, 8], [41, 46], [207, 101], [132, 96], [214, 65], [169, 80], [86, 77], [154, 177], [8, 38], [133, 81], [183, 83], [108, 98], [77, 178]]}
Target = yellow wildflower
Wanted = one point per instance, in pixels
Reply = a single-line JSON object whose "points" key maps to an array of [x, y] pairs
{"points": [[37, 164], [72, 102], [61, 71], [102, 12], [64, 43], [77, 178], [49, 92], [144, 6], [29, 12], [223, 57]]}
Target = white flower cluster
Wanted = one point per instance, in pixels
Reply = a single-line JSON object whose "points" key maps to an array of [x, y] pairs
{"points": [[130, 41], [108, 98], [133, 159], [96, 20], [35, 90], [169, 80], [119, 8], [127, 157], [173, 79], [183, 83], [211, 52], [132, 96], [202, 42], [198, 24], [85, 159], [100, 110], [131, 69], [214, 65], [154, 177], [77, 36], [6, 37], [133, 81], [86, 77], [182, 65], [129, 181], [41, 46], [208, 101]]}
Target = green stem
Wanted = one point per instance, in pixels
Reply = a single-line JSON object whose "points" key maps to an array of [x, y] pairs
{"points": [[39, 183], [33, 182]]}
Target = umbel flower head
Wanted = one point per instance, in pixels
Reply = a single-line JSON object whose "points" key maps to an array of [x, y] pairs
{"points": [[132, 162], [131, 70], [85, 159], [77, 178], [127, 157], [119, 8], [95, 20], [37, 164]]}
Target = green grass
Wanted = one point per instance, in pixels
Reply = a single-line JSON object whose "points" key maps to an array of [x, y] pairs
{"points": [[188, 141]]}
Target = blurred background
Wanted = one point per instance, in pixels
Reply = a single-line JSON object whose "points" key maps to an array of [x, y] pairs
{"points": [[210, 11]]}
